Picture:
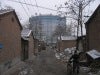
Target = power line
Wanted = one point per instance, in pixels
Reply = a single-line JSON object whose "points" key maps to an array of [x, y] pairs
{"points": [[26, 6], [38, 6], [24, 9], [30, 3]]}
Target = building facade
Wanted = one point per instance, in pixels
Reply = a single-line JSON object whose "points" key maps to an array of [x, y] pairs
{"points": [[10, 40], [44, 26], [66, 42], [93, 31], [27, 44]]}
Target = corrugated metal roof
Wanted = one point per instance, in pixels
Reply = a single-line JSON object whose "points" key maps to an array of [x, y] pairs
{"points": [[25, 34], [94, 54]]}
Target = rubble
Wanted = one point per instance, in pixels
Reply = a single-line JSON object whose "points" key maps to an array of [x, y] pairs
{"points": [[65, 55], [26, 70]]}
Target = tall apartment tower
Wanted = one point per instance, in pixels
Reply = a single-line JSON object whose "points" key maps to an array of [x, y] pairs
{"points": [[43, 26]]}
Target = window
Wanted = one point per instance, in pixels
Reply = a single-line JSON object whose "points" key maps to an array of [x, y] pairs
{"points": [[1, 46], [12, 19]]}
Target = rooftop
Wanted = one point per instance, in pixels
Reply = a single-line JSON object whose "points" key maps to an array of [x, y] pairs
{"points": [[67, 38], [3, 11], [25, 33], [94, 54], [93, 15]]}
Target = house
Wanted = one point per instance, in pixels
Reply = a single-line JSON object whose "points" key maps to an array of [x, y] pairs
{"points": [[93, 31], [27, 44], [66, 42], [10, 39]]}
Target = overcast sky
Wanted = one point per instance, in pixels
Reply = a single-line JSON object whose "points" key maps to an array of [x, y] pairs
{"points": [[30, 10]]}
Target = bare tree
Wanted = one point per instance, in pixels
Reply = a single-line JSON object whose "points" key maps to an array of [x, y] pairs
{"points": [[69, 30], [59, 31], [62, 30], [76, 8], [74, 11], [36, 26]]}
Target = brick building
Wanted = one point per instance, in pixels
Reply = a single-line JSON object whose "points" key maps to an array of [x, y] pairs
{"points": [[10, 39], [27, 44], [93, 31], [36, 43], [66, 42]]}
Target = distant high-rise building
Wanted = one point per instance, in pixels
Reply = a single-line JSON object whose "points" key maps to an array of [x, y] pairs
{"points": [[43, 26]]}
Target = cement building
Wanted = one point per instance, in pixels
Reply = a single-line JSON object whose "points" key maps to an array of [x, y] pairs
{"points": [[43, 26]]}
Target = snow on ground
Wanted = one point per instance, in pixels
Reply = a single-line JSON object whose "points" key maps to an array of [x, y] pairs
{"points": [[57, 55], [66, 54]]}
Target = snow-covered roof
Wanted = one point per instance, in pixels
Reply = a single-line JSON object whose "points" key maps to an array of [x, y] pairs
{"points": [[94, 54], [25, 34], [3, 11], [67, 38]]}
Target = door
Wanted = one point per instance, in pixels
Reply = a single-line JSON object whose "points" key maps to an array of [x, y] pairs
{"points": [[25, 47]]}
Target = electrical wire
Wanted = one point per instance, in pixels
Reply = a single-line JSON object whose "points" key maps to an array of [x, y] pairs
{"points": [[36, 6], [31, 6], [27, 6], [24, 8]]}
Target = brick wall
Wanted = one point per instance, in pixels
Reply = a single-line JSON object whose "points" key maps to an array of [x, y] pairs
{"points": [[31, 47], [67, 44], [11, 40], [93, 32]]}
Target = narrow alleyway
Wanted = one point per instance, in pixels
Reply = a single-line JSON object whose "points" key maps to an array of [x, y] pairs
{"points": [[43, 64], [47, 64]]}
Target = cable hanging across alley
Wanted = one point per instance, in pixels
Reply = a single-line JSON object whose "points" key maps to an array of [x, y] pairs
{"points": [[30, 3], [37, 6], [24, 8], [27, 6]]}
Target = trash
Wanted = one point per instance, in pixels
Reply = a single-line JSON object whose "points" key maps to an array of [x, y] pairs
{"points": [[94, 54], [57, 55], [25, 72], [85, 69]]}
